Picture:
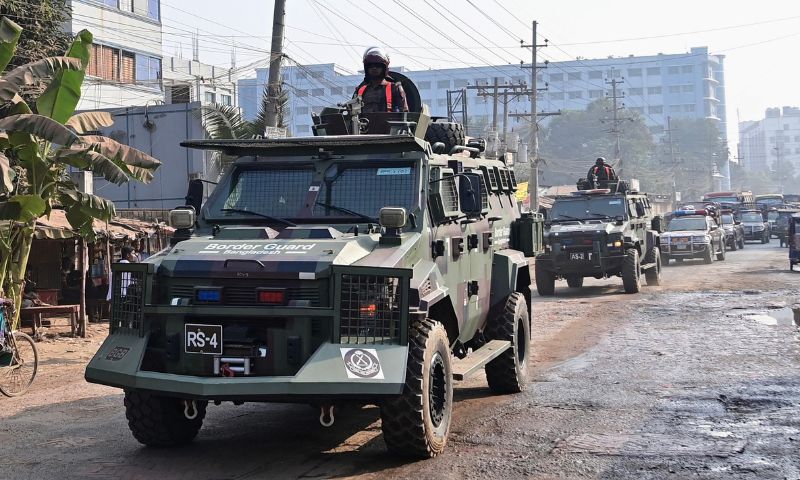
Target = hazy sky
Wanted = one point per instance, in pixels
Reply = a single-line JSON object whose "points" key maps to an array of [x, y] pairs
{"points": [[760, 40]]}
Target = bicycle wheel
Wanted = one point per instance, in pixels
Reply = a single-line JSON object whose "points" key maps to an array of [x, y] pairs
{"points": [[16, 377]]}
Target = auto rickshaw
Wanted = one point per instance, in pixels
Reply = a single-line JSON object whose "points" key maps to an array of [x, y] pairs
{"points": [[794, 240], [781, 229]]}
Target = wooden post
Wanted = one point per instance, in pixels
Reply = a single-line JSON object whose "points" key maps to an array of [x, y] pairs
{"points": [[83, 267]]}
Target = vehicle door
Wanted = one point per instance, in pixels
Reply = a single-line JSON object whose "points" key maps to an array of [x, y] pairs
{"points": [[638, 222], [717, 235]]}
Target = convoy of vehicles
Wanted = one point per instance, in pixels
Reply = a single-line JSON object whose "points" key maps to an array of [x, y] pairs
{"points": [[326, 270], [600, 233], [693, 234], [733, 200]]}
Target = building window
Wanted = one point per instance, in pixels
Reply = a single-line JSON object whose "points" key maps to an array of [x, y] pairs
{"points": [[556, 95], [688, 107], [634, 72], [441, 102], [111, 3], [637, 109], [687, 69], [687, 89], [148, 69], [613, 73], [300, 75], [595, 93], [674, 89], [675, 109], [575, 95], [303, 129], [481, 81], [657, 129], [674, 70], [518, 80], [443, 84], [211, 97], [459, 83], [655, 109], [154, 9], [786, 126], [556, 77], [301, 110], [574, 76], [540, 78], [225, 100], [337, 91], [424, 85], [318, 75], [301, 93], [317, 92], [654, 90], [654, 70], [180, 94], [637, 91], [595, 74]]}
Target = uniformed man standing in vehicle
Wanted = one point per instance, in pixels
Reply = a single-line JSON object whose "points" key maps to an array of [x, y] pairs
{"points": [[379, 92], [602, 172]]}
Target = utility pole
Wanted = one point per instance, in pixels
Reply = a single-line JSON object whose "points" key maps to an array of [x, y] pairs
{"points": [[494, 105], [674, 165], [496, 91], [275, 57], [615, 128], [533, 184]]}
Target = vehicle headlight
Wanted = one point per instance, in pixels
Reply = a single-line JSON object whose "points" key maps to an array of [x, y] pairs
{"points": [[759, 228], [664, 240], [701, 239]]}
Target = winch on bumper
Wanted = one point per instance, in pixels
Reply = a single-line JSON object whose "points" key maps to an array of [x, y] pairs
{"points": [[352, 346]]}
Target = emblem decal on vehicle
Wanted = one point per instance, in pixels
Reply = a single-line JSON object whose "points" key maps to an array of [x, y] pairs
{"points": [[362, 363], [117, 353]]}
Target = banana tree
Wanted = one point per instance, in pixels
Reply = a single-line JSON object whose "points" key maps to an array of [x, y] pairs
{"points": [[43, 146]]}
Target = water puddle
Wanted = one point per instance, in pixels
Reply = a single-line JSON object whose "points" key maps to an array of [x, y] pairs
{"points": [[787, 317]]}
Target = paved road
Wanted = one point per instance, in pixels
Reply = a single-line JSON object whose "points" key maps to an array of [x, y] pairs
{"points": [[697, 378]]}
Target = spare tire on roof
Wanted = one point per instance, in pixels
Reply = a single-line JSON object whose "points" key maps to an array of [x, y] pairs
{"points": [[449, 133]]}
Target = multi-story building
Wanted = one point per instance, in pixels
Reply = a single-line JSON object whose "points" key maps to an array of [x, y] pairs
{"points": [[774, 137], [126, 61], [191, 81], [688, 85]]}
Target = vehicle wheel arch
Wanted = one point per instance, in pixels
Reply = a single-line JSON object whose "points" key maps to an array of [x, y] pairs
{"points": [[445, 313]]}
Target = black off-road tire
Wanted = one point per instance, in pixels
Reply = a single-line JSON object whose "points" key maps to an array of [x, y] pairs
{"points": [[734, 247], [574, 281], [741, 244], [545, 281], [449, 133], [664, 260], [160, 421], [708, 257], [721, 254], [417, 423], [508, 373], [765, 239], [631, 271], [653, 274]]}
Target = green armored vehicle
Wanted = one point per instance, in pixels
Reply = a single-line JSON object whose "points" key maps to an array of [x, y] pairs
{"points": [[367, 266], [600, 233]]}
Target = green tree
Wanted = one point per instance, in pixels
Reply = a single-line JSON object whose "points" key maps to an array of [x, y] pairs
{"points": [[571, 142], [37, 150], [697, 146]]}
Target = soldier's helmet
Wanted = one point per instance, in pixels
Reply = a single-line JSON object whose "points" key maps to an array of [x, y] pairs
{"points": [[600, 161], [376, 55]]}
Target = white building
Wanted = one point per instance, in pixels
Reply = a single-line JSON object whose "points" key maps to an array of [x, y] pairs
{"points": [[774, 137], [191, 81], [126, 62]]}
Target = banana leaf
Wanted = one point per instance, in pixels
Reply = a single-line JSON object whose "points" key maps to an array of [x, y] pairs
{"points": [[22, 208], [39, 126], [63, 93], [9, 36], [90, 121], [86, 158], [7, 91], [32, 72], [140, 165], [82, 208], [7, 173]]}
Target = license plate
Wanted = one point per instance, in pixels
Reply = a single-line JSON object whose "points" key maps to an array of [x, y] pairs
{"points": [[203, 339], [577, 256]]}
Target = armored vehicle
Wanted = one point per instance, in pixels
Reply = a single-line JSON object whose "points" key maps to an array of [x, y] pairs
{"points": [[755, 227], [371, 268], [600, 233], [693, 234]]}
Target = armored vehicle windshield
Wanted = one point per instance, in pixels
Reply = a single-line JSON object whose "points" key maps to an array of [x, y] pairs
{"points": [[588, 207], [347, 190]]}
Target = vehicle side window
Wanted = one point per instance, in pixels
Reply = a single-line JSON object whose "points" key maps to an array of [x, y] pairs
{"points": [[633, 208]]}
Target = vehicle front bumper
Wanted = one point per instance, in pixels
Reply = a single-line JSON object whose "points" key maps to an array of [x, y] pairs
{"points": [[324, 375], [599, 265], [692, 250], [755, 234]]}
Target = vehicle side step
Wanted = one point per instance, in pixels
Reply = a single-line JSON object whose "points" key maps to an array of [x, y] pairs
{"points": [[463, 368]]}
